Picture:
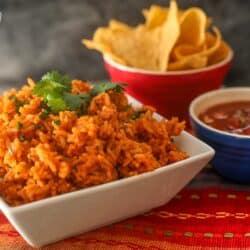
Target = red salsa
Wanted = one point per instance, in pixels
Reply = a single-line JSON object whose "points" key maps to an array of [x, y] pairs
{"points": [[233, 117]]}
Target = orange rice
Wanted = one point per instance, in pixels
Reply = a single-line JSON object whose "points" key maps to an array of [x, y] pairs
{"points": [[41, 158]]}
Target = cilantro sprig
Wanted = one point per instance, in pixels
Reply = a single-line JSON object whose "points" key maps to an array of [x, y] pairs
{"points": [[56, 92]]}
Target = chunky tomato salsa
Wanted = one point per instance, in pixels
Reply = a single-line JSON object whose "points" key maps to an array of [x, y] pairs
{"points": [[233, 117]]}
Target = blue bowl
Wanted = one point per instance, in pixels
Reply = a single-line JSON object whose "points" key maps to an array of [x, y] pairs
{"points": [[232, 151]]}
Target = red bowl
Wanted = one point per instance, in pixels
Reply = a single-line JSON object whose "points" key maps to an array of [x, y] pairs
{"points": [[169, 92]]}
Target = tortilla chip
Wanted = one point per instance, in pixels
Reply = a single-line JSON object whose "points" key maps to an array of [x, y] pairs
{"points": [[183, 50], [221, 53], [170, 39], [194, 62], [100, 43], [193, 27], [199, 59], [155, 16], [170, 33], [138, 47]]}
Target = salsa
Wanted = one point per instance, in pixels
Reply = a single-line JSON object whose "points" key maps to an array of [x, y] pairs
{"points": [[232, 117]]}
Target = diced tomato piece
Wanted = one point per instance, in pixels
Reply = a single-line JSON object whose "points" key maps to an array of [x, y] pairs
{"points": [[233, 123]]}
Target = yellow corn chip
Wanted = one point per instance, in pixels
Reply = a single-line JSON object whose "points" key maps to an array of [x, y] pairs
{"points": [[100, 43], [155, 16], [169, 35], [138, 47], [193, 27], [170, 39], [183, 50], [221, 53], [200, 59], [194, 62]]}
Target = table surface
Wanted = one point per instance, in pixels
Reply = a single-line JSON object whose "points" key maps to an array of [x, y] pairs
{"points": [[210, 213]]}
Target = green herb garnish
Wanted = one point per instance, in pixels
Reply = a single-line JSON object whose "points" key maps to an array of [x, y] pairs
{"points": [[51, 87], [56, 92], [74, 102], [57, 122], [103, 87], [18, 103], [19, 125], [44, 114], [137, 114], [54, 77]]}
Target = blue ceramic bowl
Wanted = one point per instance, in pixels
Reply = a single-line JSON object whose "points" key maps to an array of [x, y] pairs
{"points": [[232, 151]]}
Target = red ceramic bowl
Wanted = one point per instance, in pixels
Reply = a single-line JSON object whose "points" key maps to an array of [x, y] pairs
{"points": [[169, 92]]}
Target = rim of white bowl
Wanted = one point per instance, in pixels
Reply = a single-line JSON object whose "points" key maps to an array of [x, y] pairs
{"points": [[207, 95], [121, 67]]}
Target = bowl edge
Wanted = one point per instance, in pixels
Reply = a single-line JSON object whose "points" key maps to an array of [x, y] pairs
{"points": [[125, 68]]}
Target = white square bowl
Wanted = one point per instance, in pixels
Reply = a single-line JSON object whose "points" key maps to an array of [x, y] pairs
{"points": [[56, 218]]}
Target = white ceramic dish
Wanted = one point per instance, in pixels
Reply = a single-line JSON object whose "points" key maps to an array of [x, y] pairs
{"points": [[53, 219]]}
